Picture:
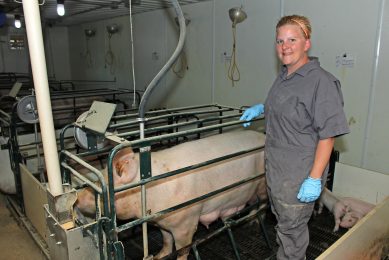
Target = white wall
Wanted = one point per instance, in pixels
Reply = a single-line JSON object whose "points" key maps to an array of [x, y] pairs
{"points": [[57, 52], [370, 186], [98, 68], [196, 85], [150, 52], [339, 27], [377, 143], [256, 58]]}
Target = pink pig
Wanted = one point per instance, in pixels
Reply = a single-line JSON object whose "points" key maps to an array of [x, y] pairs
{"points": [[178, 227], [347, 211]]}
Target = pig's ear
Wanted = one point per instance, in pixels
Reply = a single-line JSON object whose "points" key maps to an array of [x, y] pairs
{"points": [[123, 159], [123, 153]]}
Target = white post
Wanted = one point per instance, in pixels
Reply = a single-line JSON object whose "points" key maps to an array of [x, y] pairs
{"points": [[39, 71]]}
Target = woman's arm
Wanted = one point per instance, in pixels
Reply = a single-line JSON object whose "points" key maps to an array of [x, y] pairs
{"points": [[322, 156]]}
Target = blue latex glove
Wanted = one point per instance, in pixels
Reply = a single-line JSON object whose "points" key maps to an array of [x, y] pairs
{"points": [[251, 113], [310, 190]]}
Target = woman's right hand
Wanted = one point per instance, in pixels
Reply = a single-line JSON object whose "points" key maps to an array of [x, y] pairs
{"points": [[252, 113]]}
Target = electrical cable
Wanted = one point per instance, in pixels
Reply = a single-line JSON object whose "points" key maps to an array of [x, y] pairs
{"points": [[110, 56], [132, 58], [233, 70], [180, 72], [88, 55]]}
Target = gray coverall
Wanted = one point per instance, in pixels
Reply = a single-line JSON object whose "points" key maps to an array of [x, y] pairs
{"points": [[300, 110]]}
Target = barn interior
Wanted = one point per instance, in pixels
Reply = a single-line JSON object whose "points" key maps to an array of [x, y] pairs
{"points": [[82, 80]]}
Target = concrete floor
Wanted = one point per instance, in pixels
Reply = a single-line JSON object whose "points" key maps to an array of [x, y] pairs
{"points": [[15, 242]]}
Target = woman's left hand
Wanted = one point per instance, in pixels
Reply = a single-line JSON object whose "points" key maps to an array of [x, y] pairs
{"points": [[310, 190]]}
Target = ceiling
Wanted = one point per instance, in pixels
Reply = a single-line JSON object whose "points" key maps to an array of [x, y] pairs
{"points": [[82, 11]]}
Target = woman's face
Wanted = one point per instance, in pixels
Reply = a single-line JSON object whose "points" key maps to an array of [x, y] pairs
{"points": [[292, 47]]}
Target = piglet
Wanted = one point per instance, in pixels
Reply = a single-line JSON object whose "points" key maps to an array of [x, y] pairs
{"points": [[356, 209], [347, 211], [334, 205]]}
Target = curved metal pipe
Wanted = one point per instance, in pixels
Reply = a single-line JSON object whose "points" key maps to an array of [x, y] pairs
{"points": [[169, 63]]}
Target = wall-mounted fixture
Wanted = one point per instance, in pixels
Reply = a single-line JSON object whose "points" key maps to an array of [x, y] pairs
{"points": [[60, 7], [109, 55], [18, 22], [237, 15], [90, 32], [112, 29]]}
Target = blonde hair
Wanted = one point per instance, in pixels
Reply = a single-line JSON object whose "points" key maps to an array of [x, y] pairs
{"points": [[299, 20]]}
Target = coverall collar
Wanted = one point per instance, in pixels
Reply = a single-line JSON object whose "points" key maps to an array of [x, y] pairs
{"points": [[302, 71]]}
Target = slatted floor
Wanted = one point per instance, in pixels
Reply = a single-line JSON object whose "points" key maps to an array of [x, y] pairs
{"points": [[248, 236]]}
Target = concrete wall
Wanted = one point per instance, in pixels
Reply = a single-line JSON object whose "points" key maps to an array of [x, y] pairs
{"points": [[345, 38]]}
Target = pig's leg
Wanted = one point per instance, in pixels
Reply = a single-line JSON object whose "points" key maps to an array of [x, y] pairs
{"points": [[183, 234], [320, 206], [167, 244], [339, 211]]}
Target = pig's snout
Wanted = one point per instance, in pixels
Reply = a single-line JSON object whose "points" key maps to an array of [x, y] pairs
{"points": [[349, 220], [86, 202]]}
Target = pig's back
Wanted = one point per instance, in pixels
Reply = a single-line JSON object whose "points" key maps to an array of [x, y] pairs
{"points": [[212, 147]]}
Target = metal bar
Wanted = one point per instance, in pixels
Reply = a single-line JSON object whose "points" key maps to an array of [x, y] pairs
{"points": [[233, 243], [81, 177], [169, 110], [153, 84], [184, 204], [171, 126], [6, 123], [185, 169], [104, 190], [264, 230], [196, 252], [109, 229], [5, 114], [137, 143]]}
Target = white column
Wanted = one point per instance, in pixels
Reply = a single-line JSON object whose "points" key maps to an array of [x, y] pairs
{"points": [[39, 71]]}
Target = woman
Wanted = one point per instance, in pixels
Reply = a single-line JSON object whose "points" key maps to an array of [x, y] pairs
{"points": [[303, 114]]}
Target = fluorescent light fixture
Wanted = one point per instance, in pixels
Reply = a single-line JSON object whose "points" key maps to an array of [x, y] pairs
{"points": [[60, 7], [18, 22]]}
